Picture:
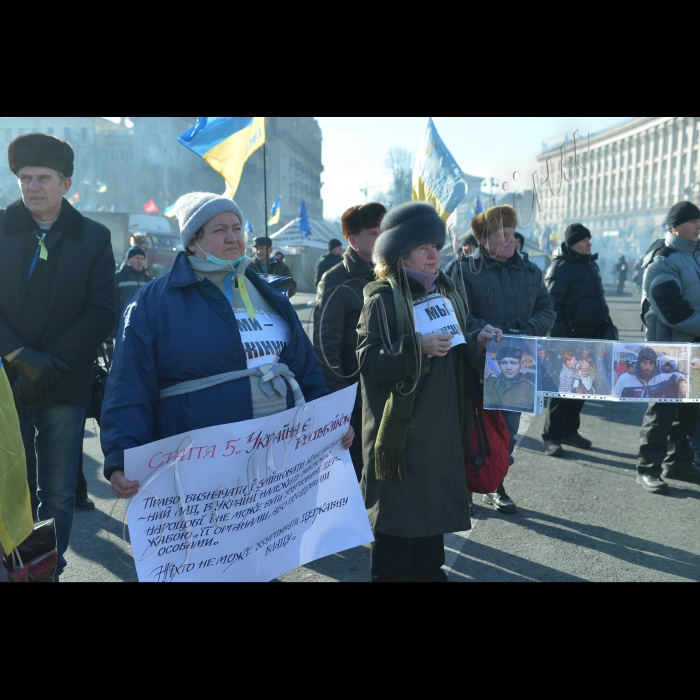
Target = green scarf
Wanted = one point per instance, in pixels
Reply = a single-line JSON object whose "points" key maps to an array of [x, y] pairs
{"points": [[397, 420]]}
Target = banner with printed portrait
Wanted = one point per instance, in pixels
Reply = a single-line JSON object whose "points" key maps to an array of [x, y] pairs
{"points": [[510, 378], [589, 370]]}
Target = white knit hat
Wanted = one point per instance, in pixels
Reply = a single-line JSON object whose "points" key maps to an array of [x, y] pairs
{"points": [[194, 210]]}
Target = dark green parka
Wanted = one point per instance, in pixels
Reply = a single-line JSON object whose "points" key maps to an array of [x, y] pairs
{"points": [[432, 498]]}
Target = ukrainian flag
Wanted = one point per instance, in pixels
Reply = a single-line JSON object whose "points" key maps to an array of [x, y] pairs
{"points": [[436, 177], [226, 143], [275, 213], [16, 523]]}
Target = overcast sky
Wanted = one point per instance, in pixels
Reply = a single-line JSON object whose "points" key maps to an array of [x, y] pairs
{"points": [[354, 148]]}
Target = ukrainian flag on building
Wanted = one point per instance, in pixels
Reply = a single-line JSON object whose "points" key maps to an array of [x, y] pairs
{"points": [[16, 522], [275, 213], [226, 143], [436, 177]]}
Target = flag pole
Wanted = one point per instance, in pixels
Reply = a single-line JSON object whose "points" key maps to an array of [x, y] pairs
{"points": [[267, 235]]}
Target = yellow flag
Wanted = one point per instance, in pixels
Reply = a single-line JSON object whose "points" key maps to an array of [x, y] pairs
{"points": [[16, 522]]}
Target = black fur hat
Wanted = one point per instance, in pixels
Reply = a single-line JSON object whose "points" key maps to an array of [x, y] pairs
{"points": [[408, 227], [41, 151]]}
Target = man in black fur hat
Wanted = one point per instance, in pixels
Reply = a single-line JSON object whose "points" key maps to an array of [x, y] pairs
{"points": [[58, 302]]}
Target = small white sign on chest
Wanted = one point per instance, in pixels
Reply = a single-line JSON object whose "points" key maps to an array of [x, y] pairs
{"points": [[436, 314], [264, 337]]}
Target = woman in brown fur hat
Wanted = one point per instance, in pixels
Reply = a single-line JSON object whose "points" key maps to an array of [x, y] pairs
{"points": [[502, 288]]}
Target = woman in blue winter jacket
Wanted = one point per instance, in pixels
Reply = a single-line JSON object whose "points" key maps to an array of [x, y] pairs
{"points": [[209, 344]]}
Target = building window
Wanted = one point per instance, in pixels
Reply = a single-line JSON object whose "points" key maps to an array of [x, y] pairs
{"points": [[8, 135], [83, 134], [50, 131], [67, 134]]}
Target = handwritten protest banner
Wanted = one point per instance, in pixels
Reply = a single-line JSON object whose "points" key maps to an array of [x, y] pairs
{"points": [[247, 501], [435, 314]]}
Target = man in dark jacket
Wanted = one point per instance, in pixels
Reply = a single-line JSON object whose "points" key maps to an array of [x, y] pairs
{"points": [[338, 308], [621, 271], [131, 276], [672, 305], [503, 289], [327, 262], [576, 286], [265, 264], [469, 247], [58, 302]]}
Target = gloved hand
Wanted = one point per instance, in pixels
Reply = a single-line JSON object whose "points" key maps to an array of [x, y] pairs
{"points": [[38, 369], [24, 394]]}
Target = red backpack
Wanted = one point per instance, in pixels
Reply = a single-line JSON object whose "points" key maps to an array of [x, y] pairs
{"points": [[488, 460]]}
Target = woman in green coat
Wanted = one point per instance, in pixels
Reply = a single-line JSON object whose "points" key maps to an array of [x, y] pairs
{"points": [[420, 377]]}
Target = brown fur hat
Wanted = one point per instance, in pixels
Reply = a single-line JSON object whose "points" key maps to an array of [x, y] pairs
{"points": [[363, 217], [494, 219], [40, 151]]}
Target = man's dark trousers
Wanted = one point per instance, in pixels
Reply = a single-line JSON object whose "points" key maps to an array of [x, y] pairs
{"points": [[665, 438], [563, 419]]}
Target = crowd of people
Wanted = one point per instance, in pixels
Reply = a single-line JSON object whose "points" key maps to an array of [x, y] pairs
{"points": [[181, 360]]}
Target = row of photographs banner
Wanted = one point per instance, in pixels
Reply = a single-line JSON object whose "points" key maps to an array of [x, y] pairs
{"points": [[521, 370]]}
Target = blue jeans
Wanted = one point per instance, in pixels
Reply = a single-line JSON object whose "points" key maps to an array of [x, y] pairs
{"points": [[59, 439]]}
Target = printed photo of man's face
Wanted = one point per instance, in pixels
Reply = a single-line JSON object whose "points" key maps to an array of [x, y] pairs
{"points": [[510, 367], [646, 369]]}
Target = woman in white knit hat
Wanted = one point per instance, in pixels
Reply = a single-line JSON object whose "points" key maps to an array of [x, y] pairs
{"points": [[209, 344]]}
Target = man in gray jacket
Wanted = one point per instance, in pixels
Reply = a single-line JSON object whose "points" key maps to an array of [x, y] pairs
{"points": [[502, 288], [672, 313]]}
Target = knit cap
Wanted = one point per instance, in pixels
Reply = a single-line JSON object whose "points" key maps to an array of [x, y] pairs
{"points": [[682, 213], [576, 233], [194, 210], [135, 250]]}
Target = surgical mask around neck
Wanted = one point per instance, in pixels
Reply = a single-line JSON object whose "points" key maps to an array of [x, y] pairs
{"points": [[217, 261]]}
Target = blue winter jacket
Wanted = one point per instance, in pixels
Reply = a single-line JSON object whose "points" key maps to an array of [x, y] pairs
{"points": [[177, 329]]}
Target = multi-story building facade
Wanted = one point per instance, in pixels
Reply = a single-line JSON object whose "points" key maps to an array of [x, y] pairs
{"points": [[623, 187], [122, 166]]}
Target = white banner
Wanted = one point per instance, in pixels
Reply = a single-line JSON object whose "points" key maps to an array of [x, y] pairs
{"points": [[247, 501]]}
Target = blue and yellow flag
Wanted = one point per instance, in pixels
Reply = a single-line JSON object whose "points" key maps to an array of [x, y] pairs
{"points": [[16, 522], [226, 143], [248, 229], [436, 177], [275, 213]]}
